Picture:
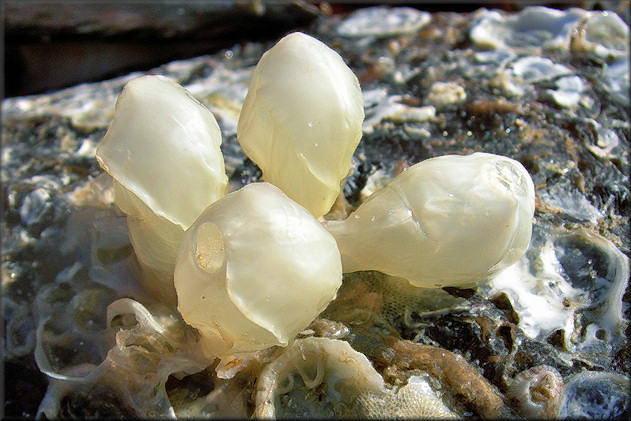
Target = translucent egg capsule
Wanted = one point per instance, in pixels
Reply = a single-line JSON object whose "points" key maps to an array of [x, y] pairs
{"points": [[301, 120], [163, 151], [447, 221], [254, 270]]}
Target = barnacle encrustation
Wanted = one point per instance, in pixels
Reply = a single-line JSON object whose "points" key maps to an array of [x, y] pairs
{"points": [[537, 392], [596, 395], [150, 344], [572, 282], [310, 367]]}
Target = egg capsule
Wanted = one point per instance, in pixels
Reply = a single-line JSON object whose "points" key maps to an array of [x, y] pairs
{"points": [[446, 221], [301, 120], [254, 270], [163, 151]]}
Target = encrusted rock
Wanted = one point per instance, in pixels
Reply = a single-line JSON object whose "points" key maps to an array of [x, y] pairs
{"points": [[541, 86]]}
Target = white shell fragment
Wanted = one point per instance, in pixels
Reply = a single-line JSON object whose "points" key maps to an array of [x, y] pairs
{"points": [[536, 69], [604, 35], [534, 27], [595, 395], [616, 80], [382, 106], [163, 151], [383, 22], [254, 270], [446, 221], [301, 120], [568, 92]]}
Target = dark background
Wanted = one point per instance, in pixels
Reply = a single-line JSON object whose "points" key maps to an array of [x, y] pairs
{"points": [[55, 44]]}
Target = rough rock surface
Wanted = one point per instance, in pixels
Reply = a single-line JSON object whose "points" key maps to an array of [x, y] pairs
{"points": [[432, 85]]}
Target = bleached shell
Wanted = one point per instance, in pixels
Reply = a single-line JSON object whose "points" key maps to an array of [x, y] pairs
{"points": [[616, 80], [604, 35], [534, 27], [383, 22], [381, 106], [301, 120], [443, 94], [536, 69], [568, 92], [254, 270], [451, 220], [547, 299], [163, 151]]}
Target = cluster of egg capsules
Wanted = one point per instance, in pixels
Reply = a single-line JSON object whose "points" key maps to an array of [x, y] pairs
{"points": [[250, 269]]}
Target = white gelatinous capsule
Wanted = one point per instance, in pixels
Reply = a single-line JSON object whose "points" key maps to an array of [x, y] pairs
{"points": [[163, 151], [254, 270], [446, 221], [301, 120]]}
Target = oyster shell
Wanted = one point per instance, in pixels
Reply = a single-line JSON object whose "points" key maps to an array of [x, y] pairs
{"points": [[574, 275], [569, 130], [383, 22]]}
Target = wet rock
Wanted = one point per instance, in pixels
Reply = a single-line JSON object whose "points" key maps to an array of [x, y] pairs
{"points": [[55, 46], [24, 380], [525, 90]]}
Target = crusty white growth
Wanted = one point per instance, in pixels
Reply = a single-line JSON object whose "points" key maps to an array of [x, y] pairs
{"points": [[447, 221], [163, 151], [301, 120], [254, 270]]}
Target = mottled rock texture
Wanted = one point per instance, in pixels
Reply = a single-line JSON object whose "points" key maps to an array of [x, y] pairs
{"points": [[430, 89]]}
